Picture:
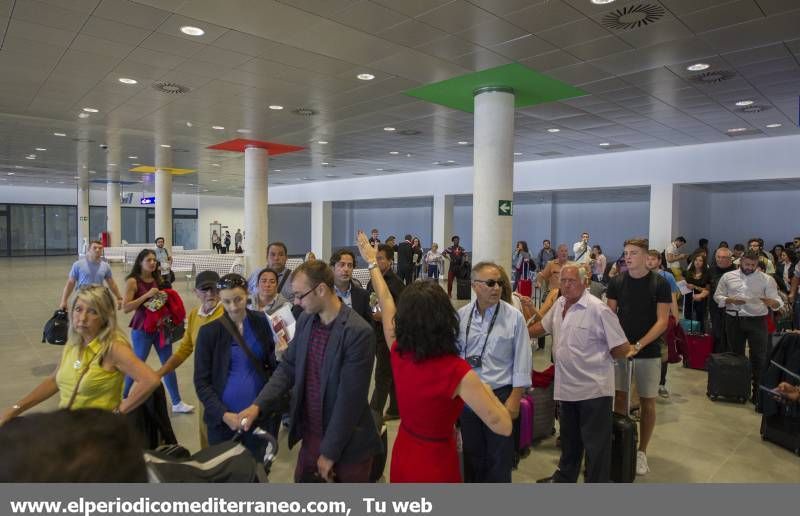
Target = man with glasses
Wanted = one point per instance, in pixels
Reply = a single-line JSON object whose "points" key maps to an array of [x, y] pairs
{"points": [[493, 339], [384, 380], [90, 270], [327, 369], [723, 263], [343, 261], [277, 254]]}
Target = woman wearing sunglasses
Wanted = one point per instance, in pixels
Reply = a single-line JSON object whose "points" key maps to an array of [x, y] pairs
{"points": [[96, 358], [234, 358], [433, 383]]}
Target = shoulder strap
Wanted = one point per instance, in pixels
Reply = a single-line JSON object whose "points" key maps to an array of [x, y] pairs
{"points": [[78, 383], [286, 274], [654, 286], [228, 325]]}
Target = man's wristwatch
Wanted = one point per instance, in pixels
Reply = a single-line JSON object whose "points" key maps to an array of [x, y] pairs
{"points": [[372, 265], [637, 346]]}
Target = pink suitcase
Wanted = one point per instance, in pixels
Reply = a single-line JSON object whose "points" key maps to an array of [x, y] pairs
{"points": [[525, 424], [698, 349]]}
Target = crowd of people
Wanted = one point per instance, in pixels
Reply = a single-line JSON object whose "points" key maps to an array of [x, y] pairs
{"points": [[450, 376]]}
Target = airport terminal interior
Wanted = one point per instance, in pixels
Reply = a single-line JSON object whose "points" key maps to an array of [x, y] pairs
{"points": [[304, 121]]}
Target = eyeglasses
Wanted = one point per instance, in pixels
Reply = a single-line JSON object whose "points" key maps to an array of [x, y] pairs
{"points": [[232, 282], [299, 297], [492, 282]]}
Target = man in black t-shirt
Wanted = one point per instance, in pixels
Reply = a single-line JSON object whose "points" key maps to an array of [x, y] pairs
{"points": [[641, 299]]}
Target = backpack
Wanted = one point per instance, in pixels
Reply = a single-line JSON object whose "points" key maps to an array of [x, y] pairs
{"points": [[56, 328]]}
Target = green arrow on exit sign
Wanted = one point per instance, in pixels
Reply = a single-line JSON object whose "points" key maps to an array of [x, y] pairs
{"points": [[505, 208]]}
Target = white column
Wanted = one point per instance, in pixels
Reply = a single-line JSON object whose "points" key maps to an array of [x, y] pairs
{"points": [[663, 215], [163, 196], [322, 229], [256, 223], [83, 196], [493, 177], [442, 223], [113, 209]]}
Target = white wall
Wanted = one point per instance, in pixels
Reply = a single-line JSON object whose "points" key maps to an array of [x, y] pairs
{"points": [[609, 223], [737, 217], [390, 216]]}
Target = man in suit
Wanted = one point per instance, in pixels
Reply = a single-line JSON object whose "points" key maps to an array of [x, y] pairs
{"points": [[405, 260], [327, 368], [384, 381], [343, 261]]}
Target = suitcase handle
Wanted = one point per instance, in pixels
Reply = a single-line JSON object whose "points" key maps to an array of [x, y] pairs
{"points": [[630, 386]]}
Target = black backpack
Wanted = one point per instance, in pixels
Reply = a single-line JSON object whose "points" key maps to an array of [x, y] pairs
{"points": [[56, 328]]}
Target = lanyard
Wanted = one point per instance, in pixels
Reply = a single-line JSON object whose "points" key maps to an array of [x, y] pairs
{"points": [[469, 325]]}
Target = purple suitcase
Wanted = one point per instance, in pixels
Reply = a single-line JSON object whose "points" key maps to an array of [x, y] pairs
{"points": [[525, 424]]}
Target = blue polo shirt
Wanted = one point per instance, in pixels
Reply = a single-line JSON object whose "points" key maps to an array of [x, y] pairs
{"points": [[85, 272]]}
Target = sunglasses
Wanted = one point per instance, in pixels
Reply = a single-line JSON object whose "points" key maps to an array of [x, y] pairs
{"points": [[299, 297], [491, 282], [233, 282]]}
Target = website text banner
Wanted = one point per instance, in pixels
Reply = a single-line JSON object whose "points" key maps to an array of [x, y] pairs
{"points": [[380, 499]]}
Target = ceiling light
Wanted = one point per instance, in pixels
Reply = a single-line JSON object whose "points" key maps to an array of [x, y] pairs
{"points": [[604, 144], [277, 170], [517, 154], [135, 164], [554, 130], [42, 149], [11, 173], [125, 80], [379, 169], [463, 143], [331, 175], [59, 134], [112, 164], [189, 124], [737, 129], [276, 107], [91, 110], [365, 76], [601, 2], [773, 126], [133, 157], [322, 142], [244, 131], [92, 172], [324, 163], [394, 153], [698, 67], [450, 161], [215, 164], [409, 155], [166, 146], [390, 129], [76, 177], [743, 103], [30, 157], [83, 115], [217, 127], [214, 180], [192, 31]]}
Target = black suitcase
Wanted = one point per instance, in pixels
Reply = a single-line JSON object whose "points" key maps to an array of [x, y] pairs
{"points": [[783, 431], [729, 377], [463, 289], [624, 442]]}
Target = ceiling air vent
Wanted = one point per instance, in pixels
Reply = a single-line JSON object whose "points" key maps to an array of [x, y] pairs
{"points": [[755, 108], [714, 77], [170, 88], [304, 112], [547, 154], [633, 16]]}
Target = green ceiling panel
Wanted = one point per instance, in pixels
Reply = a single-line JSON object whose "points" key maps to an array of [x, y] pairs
{"points": [[530, 88]]}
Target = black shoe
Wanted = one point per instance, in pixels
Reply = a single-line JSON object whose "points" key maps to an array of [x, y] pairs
{"points": [[547, 480]]}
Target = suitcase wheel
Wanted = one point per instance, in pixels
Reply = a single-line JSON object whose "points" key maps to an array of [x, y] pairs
{"points": [[524, 452], [763, 437], [712, 397]]}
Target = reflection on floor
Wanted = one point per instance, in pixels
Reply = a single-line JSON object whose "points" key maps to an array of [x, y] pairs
{"points": [[695, 440]]}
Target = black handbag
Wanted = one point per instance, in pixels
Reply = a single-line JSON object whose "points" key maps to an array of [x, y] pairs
{"points": [[56, 329]]}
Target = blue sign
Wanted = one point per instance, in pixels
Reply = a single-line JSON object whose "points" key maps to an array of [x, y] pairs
{"points": [[147, 200]]}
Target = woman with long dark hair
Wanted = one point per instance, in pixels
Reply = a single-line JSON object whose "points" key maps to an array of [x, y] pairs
{"points": [[433, 382], [143, 292], [699, 279], [520, 256]]}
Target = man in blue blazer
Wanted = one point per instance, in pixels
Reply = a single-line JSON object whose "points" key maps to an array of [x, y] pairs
{"points": [[327, 368]]}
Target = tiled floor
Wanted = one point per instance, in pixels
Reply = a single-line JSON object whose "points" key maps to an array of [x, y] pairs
{"points": [[695, 440]]}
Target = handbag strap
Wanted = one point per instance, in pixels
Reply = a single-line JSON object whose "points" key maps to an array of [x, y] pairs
{"points": [[78, 383], [228, 325]]}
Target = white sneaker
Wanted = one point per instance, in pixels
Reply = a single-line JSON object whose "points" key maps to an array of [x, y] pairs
{"points": [[641, 463], [182, 408], [662, 391]]}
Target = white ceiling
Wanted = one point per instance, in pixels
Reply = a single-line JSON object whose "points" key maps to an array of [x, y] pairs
{"points": [[58, 56]]}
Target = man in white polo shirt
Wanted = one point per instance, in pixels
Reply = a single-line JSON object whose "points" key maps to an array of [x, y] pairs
{"points": [[587, 337]]}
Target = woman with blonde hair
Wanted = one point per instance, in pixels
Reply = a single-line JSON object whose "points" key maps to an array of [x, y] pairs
{"points": [[94, 363]]}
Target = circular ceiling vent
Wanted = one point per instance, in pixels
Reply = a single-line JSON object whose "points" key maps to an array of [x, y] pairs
{"points": [[714, 77], [170, 88], [755, 108], [304, 112], [633, 16]]}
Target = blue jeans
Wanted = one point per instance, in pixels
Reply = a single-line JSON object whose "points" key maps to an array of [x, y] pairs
{"points": [[141, 348]]}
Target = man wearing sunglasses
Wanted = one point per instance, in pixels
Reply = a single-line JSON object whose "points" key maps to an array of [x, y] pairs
{"points": [[493, 339], [328, 369]]}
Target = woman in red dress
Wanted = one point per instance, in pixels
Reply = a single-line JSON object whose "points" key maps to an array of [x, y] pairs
{"points": [[432, 381]]}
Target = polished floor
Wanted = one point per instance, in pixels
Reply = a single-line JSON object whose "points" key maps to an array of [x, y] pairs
{"points": [[695, 439]]}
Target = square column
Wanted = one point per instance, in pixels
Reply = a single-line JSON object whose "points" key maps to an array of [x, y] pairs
{"points": [[322, 229], [664, 213]]}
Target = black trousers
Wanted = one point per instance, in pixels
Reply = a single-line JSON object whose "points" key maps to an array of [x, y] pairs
{"points": [[384, 380], [585, 428], [752, 330], [406, 275], [488, 457], [718, 331]]}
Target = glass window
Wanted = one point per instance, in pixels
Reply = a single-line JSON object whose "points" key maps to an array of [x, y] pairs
{"points": [[184, 228], [151, 225], [61, 225], [27, 230], [134, 225], [97, 221]]}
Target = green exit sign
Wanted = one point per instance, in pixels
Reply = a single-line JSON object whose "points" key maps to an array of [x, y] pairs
{"points": [[505, 208]]}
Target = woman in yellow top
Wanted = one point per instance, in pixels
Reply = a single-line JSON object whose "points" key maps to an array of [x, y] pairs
{"points": [[94, 363]]}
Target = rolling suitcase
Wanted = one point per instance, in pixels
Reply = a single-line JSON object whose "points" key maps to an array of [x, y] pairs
{"points": [[463, 289], [728, 377], [379, 460], [544, 412], [783, 431], [698, 349], [624, 441], [525, 285], [690, 326], [526, 415]]}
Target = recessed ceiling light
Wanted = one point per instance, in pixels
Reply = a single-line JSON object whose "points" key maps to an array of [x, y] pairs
{"points": [[215, 164], [276, 107], [59, 134], [331, 175], [322, 142], [365, 76], [244, 131], [76, 177], [189, 124], [277, 170], [554, 130], [166, 146], [604, 144], [92, 172], [42, 149], [205, 190], [11, 173], [737, 129], [601, 2], [408, 155], [125, 80], [698, 67], [517, 154], [217, 127], [463, 143], [450, 161], [112, 164], [135, 164], [773, 126], [192, 31], [133, 157], [743, 103], [91, 110], [390, 129], [30, 157], [394, 153], [83, 115], [214, 180], [325, 163], [379, 169]]}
